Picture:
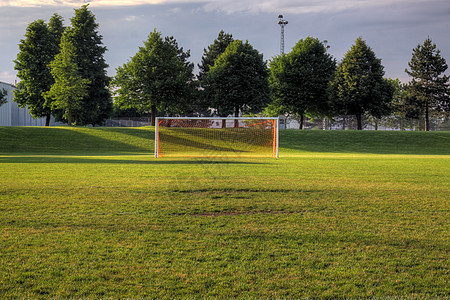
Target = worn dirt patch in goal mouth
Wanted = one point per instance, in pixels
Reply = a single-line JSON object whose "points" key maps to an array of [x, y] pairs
{"points": [[238, 213], [239, 190]]}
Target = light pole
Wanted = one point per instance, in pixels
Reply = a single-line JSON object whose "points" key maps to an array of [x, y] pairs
{"points": [[282, 23]]}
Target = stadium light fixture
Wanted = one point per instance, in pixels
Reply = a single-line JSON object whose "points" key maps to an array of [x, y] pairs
{"points": [[282, 23]]}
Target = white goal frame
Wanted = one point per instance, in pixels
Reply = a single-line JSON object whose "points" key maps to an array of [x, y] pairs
{"points": [[276, 138]]}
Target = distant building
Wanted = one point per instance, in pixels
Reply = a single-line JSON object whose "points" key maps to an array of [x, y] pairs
{"points": [[12, 115]]}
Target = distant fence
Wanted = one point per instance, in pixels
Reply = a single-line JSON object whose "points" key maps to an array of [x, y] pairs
{"points": [[338, 123], [349, 123], [128, 122]]}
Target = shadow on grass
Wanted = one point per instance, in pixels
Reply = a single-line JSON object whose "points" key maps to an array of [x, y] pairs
{"points": [[196, 144], [75, 140], [96, 160], [134, 141], [368, 142]]}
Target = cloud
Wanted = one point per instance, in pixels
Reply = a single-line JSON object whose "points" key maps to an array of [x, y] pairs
{"points": [[301, 7], [131, 18], [8, 77], [230, 6], [96, 3]]}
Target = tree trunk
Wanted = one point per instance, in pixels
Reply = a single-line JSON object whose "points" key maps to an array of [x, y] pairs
{"points": [[153, 115], [427, 117], [359, 121], [301, 121], [69, 118], [47, 120]]}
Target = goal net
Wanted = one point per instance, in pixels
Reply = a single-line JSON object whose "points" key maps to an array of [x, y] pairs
{"points": [[212, 137]]}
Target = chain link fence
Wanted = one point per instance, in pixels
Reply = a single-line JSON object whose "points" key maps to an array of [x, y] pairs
{"points": [[349, 123], [128, 122], [337, 123]]}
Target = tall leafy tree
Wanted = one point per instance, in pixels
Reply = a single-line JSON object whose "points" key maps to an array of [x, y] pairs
{"points": [[358, 86], [299, 79], [405, 109], [214, 50], [238, 81], [210, 54], [157, 78], [429, 86], [89, 50], [36, 51], [69, 89]]}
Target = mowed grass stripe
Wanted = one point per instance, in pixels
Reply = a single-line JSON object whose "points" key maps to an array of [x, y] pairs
{"points": [[312, 224]]}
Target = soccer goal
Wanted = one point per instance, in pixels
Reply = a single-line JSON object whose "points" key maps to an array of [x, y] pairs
{"points": [[213, 137]]}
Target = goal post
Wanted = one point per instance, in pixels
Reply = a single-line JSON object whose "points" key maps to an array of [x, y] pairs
{"points": [[210, 137]]}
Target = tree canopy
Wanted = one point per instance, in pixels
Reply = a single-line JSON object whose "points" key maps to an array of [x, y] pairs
{"points": [[157, 78], [233, 79], [238, 83], [299, 79], [70, 88], [213, 52], [358, 86], [36, 51], [89, 56], [429, 87]]}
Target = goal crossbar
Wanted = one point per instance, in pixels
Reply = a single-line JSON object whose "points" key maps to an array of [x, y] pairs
{"points": [[203, 136]]}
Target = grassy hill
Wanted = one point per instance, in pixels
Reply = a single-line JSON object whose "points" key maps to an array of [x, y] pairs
{"points": [[73, 140]]}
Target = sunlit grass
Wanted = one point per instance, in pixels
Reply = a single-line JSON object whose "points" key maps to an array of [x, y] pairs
{"points": [[106, 224]]}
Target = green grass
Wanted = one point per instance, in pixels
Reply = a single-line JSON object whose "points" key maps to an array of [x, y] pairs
{"points": [[88, 212]]}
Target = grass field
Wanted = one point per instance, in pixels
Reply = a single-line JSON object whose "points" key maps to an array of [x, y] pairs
{"points": [[89, 213]]}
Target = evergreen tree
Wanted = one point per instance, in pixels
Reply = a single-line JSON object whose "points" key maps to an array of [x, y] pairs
{"points": [[89, 50], [299, 80], [358, 86], [157, 78], [36, 51], [238, 81], [213, 52], [429, 87], [70, 88], [202, 103]]}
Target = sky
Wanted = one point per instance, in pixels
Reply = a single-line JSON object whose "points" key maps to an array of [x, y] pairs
{"points": [[392, 28]]}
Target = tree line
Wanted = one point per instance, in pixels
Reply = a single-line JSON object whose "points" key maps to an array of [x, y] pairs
{"points": [[63, 73]]}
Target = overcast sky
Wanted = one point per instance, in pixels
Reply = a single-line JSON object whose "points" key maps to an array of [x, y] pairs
{"points": [[392, 28]]}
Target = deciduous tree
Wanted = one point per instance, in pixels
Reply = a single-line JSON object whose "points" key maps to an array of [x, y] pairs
{"points": [[299, 79], [238, 81], [157, 78], [201, 102], [36, 51], [213, 52], [429, 87], [70, 87], [358, 86]]}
